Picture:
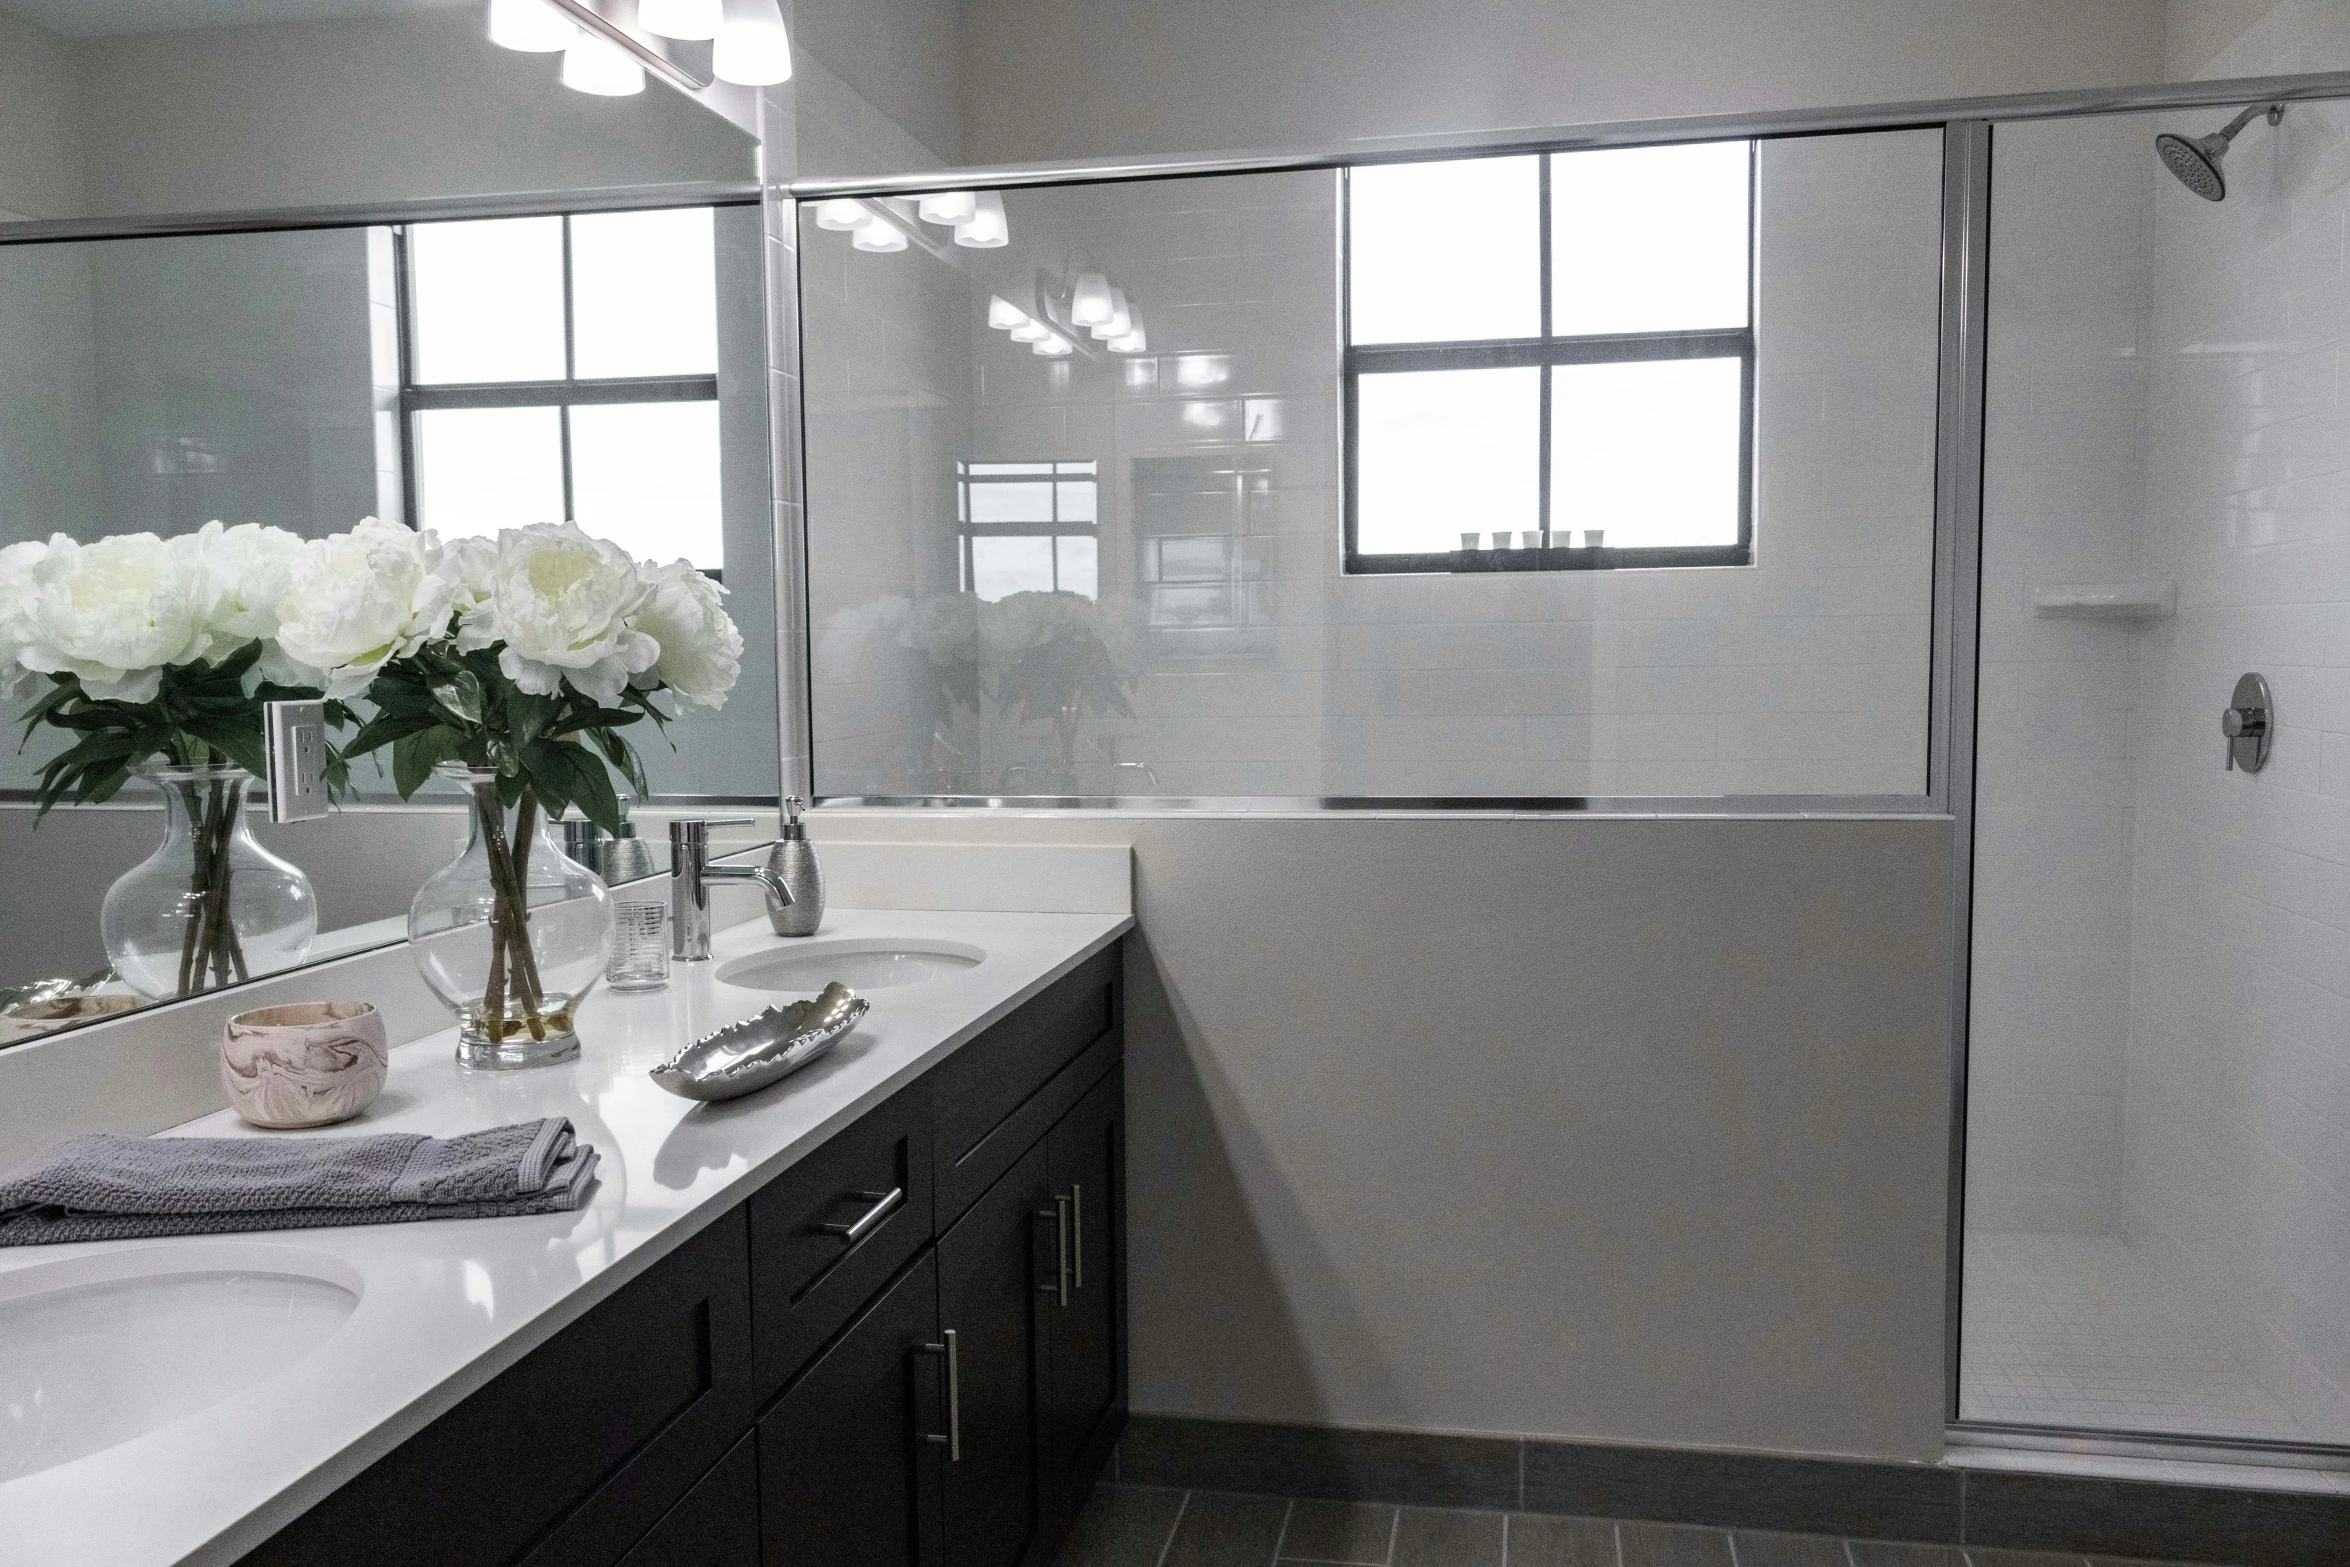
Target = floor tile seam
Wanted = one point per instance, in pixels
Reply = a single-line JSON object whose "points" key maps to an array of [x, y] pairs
{"points": [[1167, 1546], [1394, 1531], [1288, 1512]]}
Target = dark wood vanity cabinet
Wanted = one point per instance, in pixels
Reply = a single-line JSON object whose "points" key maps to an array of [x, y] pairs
{"points": [[908, 1350]]}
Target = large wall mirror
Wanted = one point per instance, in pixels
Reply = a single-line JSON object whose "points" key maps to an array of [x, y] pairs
{"points": [[555, 313]]}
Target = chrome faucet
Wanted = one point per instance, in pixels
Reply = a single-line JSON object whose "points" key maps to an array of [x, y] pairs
{"points": [[690, 875]]}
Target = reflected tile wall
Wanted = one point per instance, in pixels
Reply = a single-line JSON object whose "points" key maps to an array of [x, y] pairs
{"points": [[1806, 673]]}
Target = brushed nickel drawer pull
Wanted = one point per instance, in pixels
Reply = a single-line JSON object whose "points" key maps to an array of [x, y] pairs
{"points": [[953, 1439], [884, 1204], [1077, 1224]]}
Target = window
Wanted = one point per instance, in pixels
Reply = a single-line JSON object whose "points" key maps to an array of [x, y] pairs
{"points": [[1028, 527], [1550, 361], [566, 368]]}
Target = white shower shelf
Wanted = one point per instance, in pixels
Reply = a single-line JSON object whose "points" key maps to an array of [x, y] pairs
{"points": [[2107, 600]]}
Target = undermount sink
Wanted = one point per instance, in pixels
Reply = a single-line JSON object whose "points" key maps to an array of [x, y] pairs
{"points": [[861, 965], [99, 1350]]}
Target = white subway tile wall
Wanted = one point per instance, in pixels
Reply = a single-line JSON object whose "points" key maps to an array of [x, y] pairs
{"points": [[2160, 1048], [1260, 668]]}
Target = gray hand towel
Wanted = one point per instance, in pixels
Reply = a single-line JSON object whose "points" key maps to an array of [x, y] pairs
{"points": [[106, 1188]]}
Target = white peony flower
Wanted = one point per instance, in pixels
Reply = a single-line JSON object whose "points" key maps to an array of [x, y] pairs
{"points": [[243, 573], [355, 602], [17, 581], [561, 603], [701, 646], [115, 613]]}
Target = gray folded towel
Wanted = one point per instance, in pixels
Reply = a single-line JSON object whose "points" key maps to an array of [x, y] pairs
{"points": [[106, 1188]]}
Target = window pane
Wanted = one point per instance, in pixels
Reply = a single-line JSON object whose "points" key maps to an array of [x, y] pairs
{"points": [[489, 300], [1077, 496], [645, 476], [1649, 239], [1445, 452], [644, 293], [1444, 250], [1011, 503], [1079, 565], [1001, 567], [1646, 451], [482, 469]]}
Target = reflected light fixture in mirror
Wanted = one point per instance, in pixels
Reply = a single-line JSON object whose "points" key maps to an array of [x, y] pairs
{"points": [[692, 19], [1002, 314], [1053, 346], [595, 64], [952, 208], [841, 215], [986, 228], [878, 233], [752, 49], [530, 26], [1090, 304]]}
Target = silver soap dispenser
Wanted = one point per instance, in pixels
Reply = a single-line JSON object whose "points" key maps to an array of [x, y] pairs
{"points": [[794, 859]]}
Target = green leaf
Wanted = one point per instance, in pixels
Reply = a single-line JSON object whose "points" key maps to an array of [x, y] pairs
{"points": [[594, 794], [415, 755], [460, 696]]}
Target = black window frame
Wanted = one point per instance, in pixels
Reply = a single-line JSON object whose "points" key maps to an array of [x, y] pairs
{"points": [[1055, 528], [1544, 352], [572, 391]]}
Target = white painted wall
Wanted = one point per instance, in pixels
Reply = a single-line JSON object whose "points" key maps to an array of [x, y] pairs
{"points": [[40, 123], [1086, 78], [1610, 1128]]}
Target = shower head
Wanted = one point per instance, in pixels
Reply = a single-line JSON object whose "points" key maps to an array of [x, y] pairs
{"points": [[2195, 161]]}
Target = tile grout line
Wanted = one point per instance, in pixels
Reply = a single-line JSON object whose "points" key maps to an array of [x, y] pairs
{"points": [[1173, 1529], [1615, 1534], [1521, 1479], [1505, 1540], [1288, 1512], [1394, 1530]]}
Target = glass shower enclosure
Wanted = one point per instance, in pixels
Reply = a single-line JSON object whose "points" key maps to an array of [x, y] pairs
{"points": [[2157, 1188]]}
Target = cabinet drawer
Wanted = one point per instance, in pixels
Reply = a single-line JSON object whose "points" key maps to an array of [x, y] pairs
{"points": [[572, 1454], [833, 1228], [989, 1097], [717, 1525]]}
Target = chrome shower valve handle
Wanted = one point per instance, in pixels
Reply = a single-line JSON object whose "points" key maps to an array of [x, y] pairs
{"points": [[2247, 723]]}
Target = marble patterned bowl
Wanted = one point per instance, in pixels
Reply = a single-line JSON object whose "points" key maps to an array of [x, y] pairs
{"points": [[309, 1064]]}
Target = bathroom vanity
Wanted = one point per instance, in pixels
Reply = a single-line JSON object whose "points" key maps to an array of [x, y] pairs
{"points": [[873, 1314]]}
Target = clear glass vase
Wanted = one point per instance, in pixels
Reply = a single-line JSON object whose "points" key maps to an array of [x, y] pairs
{"points": [[511, 934], [210, 906]]}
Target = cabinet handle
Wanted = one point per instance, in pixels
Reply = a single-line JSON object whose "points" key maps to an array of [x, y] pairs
{"points": [[884, 1204], [953, 1440], [1061, 1225], [1077, 1224]]}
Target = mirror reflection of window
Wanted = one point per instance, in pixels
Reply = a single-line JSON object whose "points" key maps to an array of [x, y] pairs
{"points": [[566, 368], [1029, 527]]}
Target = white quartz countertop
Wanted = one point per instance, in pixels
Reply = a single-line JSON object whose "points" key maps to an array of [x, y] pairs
{"points": [[446, 1305]]}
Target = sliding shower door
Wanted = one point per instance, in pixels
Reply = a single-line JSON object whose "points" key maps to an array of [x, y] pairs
{"points": [[2157, 1197]]}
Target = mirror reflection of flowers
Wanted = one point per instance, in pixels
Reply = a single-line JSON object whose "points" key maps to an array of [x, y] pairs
{"points": [[1055, 660], [156, 655], [550, 647]]}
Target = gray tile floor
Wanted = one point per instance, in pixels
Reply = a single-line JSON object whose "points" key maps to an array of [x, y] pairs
{"points": [[1145, 1526]]}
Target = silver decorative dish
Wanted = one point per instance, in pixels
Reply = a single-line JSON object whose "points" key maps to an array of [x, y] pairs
{"points": [[744, 1057]]}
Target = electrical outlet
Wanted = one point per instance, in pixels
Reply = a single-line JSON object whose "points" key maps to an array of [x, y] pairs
{"points": [[297, 760]]}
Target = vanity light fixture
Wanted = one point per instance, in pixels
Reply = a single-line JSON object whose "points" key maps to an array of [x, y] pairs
{"points": [[1002, 314], [1120, 320], [1030, 330], [950, 207], [680, 18], [1090, 305], [878, 233], [531, 26], [986, 229], [842, 214], [753, 49], [595, 64], [1053, 346], [1133, 340]]}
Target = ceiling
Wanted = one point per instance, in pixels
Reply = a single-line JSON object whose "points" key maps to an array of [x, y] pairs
{"points": [[118, 18]]}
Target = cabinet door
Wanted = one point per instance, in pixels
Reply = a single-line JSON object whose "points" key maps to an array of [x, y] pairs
{"points": [[717, 1525], [846, 1475], [1087, 1337], [989, 1296]]}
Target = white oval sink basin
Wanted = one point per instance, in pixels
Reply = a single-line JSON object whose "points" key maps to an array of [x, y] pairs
{"points": [[99, 1350], [868, 964]]}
